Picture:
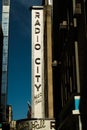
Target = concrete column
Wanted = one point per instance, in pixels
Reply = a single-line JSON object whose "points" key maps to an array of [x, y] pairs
{"points": [[48, 21]]}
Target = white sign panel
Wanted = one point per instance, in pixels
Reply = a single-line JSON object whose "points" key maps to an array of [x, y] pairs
{"points": [[37, 63], [40, 124]]}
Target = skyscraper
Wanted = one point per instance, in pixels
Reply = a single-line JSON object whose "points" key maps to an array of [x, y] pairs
{"points": [[1, 46], [4, 80]]}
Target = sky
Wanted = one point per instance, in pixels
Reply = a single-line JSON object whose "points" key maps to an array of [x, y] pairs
{"points": [[19, 62]]}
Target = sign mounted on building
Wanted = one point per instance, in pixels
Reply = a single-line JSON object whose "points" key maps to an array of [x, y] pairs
{"points": [[37, 62], [40, 124]]}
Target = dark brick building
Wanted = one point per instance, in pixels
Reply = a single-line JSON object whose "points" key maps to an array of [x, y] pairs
{"points": [[70, 53]]}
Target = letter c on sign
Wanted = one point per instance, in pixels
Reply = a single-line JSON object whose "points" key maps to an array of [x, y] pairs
{"points": [[37, 61]]}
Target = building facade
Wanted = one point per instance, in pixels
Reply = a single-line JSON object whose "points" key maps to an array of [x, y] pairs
{"points": [[70, 54], [69, 50]]}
